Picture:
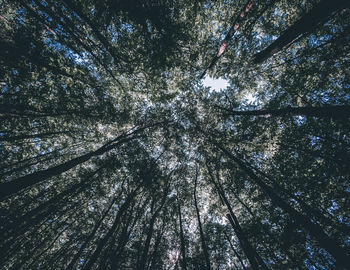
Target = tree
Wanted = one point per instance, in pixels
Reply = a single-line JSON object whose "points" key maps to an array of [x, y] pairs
{"points": [[318, 15], [114, 155], [329, 111]]}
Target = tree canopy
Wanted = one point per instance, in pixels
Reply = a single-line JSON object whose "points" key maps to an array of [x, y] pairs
{"points": [[114, 155]]}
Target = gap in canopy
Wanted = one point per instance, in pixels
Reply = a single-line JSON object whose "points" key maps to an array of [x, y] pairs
{"points": [[217, 85]]}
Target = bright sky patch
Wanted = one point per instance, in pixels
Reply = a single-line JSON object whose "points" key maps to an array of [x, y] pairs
{"points": [[215, 84]]}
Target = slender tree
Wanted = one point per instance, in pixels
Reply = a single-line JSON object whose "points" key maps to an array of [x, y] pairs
{"points": [[104, 125], [341, 111], [331, 245], [204, 245], [235, 26], [253, 257], [318, 15]]}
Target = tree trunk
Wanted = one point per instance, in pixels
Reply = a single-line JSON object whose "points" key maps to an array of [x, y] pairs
{"points": [[143, 260], [204, 245], [18, 184], [235, 251], [101, 244], [31, 136], [235, 25], [341, 111], [108, 46], [254, 258], [91, 235], [35, 215], [124, 237], [153, 256], [318, 15], [326, 242], [77, 39], [317, 214], [182, 239]]}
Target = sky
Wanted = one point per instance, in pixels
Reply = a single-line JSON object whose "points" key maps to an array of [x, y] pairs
{"points": [[215, 84]]}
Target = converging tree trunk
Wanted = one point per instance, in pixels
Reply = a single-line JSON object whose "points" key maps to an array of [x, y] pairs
{"points": [[235, 25], [328, 243], [18, 184], [143, 260], [254, 258], [36, 215], [115, 154], [204, 244], [116, 256], [94, 257], [336, 111], [316, 16], [182, 238], [32, 136], [92, 234], [235, 251]]}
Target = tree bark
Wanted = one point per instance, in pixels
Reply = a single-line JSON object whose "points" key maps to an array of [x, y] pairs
{"points": [[235, 25], [254, 258], [318, 15], [326, 242], [143, 260], [336, 111], [101, 244], [18, 184], [204, 245], [182, 239], [235, 251]]}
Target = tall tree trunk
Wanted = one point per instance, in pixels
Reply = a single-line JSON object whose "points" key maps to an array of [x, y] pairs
{"points": [[318, 15], [317, 214], [77, 39], [50, 246], [106, 256], [235, 251], [29, 165], [101, 244], [124, 237], [337, 111], [182, 238], [254, 258], [8, 249], [153, 256], [37, 157], [204, 244], [143, 259], [91, 235], [18, 184], [36, 215], [104, 41], [235, 25], [31, 136], [328, 243], [263, 229]]}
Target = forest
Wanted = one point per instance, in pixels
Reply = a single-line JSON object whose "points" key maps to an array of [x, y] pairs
{"points": [[114, 154]]}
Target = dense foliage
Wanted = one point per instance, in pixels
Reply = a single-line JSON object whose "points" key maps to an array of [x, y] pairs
{"points": [[113, 155]]}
